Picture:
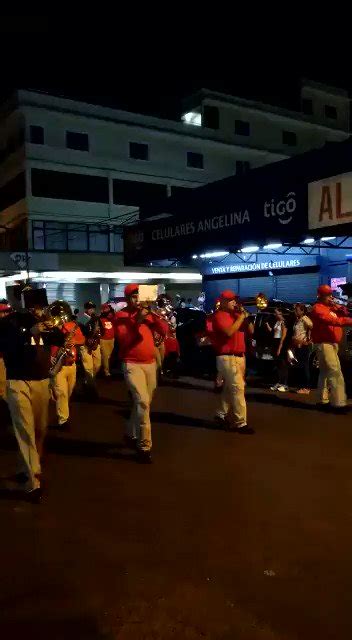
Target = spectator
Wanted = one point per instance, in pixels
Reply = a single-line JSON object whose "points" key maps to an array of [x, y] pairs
{"points": [[279, 350], [301, 342]]}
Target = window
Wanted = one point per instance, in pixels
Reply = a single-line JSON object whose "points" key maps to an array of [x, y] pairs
{"points": [[12, 191], [136, 194], [242, 128], [330, 112], [77, 141], [55, 236], [36, 134], [98, 237], [139, 151], [77, 237], [289, 138], [195, 160], [62, 185], [210, 117], [38, 235], [307, 106], [242, 167]]}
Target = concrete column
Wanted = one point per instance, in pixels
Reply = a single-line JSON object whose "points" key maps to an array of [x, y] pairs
{"points": [[104, 293]]}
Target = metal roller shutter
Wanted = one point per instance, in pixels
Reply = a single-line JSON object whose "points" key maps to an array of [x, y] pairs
{"points": [[250, 287], [116, 290], [61, 291], [298, 288]]}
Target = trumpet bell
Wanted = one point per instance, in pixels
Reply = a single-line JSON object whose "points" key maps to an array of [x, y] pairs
{"points": [[57, 314], [261, 301]]}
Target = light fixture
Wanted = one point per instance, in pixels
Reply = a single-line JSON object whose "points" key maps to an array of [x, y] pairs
{"points": [[308, 241], [328, 238], [192, 117], [75, 276], [273, 245], [249, 249], [195, 257], [214, 254]]}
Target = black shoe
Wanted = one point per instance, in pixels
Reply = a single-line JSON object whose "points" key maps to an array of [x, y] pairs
{"points": [[35, 496], [323, 406], [129, 441], [245, 430], [144, 457], [340, 411], [65, 426], [221, 422]]}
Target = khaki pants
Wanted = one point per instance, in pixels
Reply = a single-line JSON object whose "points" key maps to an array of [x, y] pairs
{"points": [[2, 379], [107, 347], [141, 381], [331, 381], [63, 387], [29, 404], [160, 355], [91, 364], [232, 370]]}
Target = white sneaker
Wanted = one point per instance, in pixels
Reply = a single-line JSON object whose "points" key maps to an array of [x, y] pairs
{"points": [[282, 388]]}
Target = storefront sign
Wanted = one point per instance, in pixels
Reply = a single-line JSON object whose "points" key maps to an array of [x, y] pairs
{"points": [[252, 215], [257, 266], [279, 262], [330, 201]]}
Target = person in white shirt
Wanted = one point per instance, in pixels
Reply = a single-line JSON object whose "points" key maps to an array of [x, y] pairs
{"points": [[279, 350], [301, 344]]}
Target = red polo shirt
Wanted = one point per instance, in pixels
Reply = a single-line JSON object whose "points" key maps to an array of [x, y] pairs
{"points": [[108, 332], [327, 324], [78, 339], [135, 340], [223, 344]]}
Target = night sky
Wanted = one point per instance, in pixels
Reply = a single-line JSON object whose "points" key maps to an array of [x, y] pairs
{"points": [[128, 65]]}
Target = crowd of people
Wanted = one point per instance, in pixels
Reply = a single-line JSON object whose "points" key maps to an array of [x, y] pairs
{"points": [[39, 351]]}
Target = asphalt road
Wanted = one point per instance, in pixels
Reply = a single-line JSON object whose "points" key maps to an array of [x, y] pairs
{"points": [[224, 537]]}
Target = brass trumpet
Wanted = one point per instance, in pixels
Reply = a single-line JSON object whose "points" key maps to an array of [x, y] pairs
{"points": [[260, 301]]}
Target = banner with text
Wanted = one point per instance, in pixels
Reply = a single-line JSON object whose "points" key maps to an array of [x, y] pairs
{"points": [[255, 215], [330, 201]]}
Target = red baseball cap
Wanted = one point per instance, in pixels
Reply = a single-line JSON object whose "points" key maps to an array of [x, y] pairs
{"points": [[130, 289], [228, 295], [324, 290]]}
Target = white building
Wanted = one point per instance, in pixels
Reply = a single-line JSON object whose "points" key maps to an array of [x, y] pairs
{"points": [[71, 174]]}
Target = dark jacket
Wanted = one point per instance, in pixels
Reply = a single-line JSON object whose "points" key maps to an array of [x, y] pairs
{"points": [[24, 359]]}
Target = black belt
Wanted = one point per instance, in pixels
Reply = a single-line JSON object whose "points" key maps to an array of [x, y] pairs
{"points": [[238, 355]]}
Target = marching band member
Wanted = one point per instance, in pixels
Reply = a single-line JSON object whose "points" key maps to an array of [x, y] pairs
{"points": [[5, 309], [26, 346], [90, 351], [107, 340], [229, 343], [134, 329], [64, 381], [328, 320]]}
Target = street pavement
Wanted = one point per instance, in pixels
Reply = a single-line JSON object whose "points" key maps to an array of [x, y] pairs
{"points": [[224, 537]]}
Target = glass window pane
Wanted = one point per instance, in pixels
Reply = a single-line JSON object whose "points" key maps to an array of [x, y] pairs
{"points": [[98, 241], [55, 237], [77, 237], [117, 243], [38, 239]]}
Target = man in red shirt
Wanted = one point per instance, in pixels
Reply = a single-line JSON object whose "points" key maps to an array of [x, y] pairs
{"points": [[328, 320], [64, 382], [134, 328], [5, 309], [107, 339], [230, 346]]}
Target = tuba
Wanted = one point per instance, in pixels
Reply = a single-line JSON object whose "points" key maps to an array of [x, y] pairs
{"points": [[56, 314]]}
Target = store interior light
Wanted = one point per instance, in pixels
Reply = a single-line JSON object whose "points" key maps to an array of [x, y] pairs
{"points": [[192, 117], [195, 257], [273, 245], [249, 249], [328, 238], [214, 254], [132, 276], [308, 241]]}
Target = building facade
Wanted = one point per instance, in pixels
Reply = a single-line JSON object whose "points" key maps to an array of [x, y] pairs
{"points": [[72, 174]]}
